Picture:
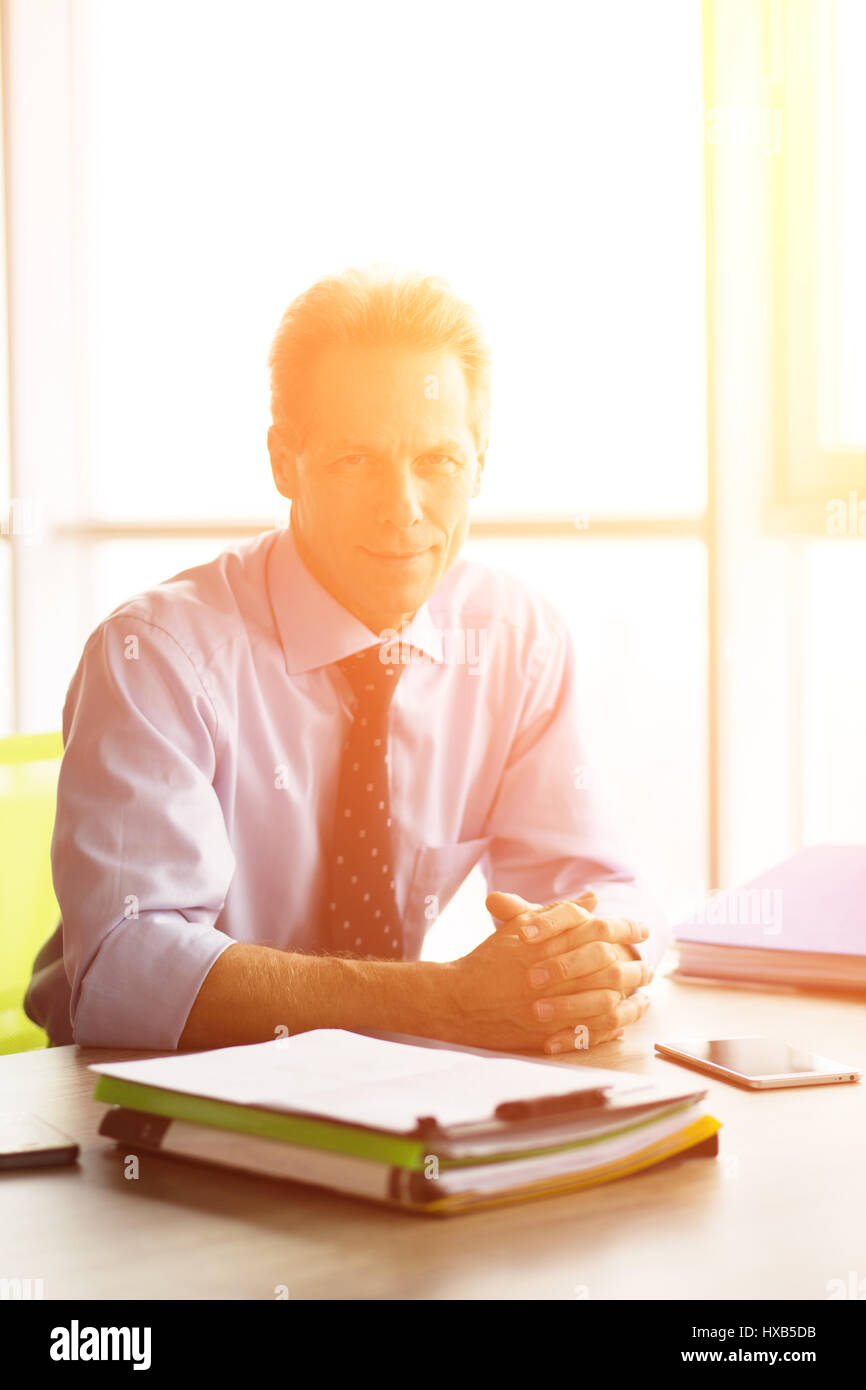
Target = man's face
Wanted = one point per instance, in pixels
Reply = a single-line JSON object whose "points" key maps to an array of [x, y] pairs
{"points": [[382, 485]]}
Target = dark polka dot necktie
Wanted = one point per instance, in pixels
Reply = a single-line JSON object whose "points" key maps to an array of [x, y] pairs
{"points": [[360, 909]]}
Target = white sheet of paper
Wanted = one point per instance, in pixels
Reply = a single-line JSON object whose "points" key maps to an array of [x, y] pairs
{"points": [[346, 1076]]}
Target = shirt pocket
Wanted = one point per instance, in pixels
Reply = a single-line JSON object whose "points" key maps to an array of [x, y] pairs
{"points": [[439, 872]]}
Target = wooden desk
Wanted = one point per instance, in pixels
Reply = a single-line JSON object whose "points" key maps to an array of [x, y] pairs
{"points": [[778, 1214]]}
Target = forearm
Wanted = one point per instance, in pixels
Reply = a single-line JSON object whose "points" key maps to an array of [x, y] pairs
{"points": [[253, 993]]}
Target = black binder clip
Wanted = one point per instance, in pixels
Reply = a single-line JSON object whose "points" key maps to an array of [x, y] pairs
{"points": [[426, 1126]]}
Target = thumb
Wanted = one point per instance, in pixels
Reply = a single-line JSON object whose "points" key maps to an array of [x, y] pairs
{"points": [[504, 906]]}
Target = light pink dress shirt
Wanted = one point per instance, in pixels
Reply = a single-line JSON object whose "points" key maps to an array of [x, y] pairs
{"points": [[203, 730]]}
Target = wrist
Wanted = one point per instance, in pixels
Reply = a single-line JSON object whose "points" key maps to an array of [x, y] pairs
{"points": [[395, 996]]}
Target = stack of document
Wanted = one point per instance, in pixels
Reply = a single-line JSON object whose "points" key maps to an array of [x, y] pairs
{"points": [[802, 925], [413, 1124]]}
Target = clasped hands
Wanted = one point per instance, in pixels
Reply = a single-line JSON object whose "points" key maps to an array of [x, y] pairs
{"points": [[586, 977], [552, 978]]}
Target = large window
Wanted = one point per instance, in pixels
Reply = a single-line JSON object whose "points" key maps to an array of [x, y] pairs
{"points": [[550, 167], [548, 162]]}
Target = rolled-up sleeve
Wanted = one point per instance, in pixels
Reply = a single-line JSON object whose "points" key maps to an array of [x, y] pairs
{"points": [[553, 833], [140, 856]]}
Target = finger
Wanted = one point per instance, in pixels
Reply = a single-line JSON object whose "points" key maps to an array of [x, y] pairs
{"points": [[626, 976], [559, 1011], [556, 974], [633, 1007], [591, 959], [580, 1039], [542, 924], [620, 929], [504, 907], [617, 930], [602, 1028], [588, 1004]]}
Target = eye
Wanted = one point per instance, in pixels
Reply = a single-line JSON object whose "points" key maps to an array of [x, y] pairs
{"points": [[440, 462], [350, 461]]}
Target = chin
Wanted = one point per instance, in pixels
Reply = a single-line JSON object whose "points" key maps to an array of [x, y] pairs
{"points": [[404, 596], [400, 598]]}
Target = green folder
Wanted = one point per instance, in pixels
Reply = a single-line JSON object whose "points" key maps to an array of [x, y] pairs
{"points": [[401, 1151], [397, 1150]]}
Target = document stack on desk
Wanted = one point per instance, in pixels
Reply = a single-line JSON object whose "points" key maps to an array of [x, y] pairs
{"points": [[415, 1125], [801, 925]]}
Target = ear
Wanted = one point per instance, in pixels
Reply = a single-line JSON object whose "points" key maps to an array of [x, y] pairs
{"points": [[479, 471], [284, 462]]}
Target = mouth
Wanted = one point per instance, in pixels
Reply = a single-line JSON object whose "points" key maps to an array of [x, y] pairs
{"points": [[398, 557]]}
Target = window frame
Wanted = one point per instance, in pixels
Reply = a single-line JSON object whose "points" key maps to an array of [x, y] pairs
{"points": [[807, 474]]}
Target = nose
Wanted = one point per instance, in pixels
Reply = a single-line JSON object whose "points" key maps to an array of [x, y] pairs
{"points": [[398, 500]]}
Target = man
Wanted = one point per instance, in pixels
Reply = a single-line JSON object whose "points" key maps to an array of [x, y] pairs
{"points": [[280, 765]]}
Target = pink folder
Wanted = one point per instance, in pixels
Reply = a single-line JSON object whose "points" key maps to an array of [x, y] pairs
{"points": [[815, 901]]}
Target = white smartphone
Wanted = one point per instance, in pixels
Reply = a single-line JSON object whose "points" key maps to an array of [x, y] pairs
{"points": [[758, 1063]]}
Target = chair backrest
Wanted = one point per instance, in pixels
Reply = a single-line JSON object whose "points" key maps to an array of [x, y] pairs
{"points": [[29, 764]]}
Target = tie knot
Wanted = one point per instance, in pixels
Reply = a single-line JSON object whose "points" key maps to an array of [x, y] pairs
{"points": [[373, 679]]}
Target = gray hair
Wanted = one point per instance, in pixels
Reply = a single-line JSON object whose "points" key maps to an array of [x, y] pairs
{"points": [[371, 306]]}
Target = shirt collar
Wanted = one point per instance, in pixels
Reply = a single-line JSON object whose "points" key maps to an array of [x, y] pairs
{"points": [[315, 629]]}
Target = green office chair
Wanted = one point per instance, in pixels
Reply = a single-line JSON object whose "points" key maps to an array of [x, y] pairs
{"points": [[29, 764]]}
